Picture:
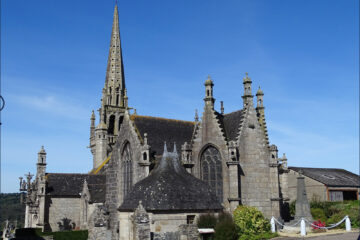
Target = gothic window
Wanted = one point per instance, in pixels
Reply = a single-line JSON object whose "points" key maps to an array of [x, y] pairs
{"points": [[211, 170], [127, 170], [111, 124]]}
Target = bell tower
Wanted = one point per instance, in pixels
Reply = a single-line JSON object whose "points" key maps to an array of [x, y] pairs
{"points": [[114, 100]]}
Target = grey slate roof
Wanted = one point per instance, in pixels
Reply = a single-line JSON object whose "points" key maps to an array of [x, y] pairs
{"points": [[169, 187], [332, 177], [71, 184], [162, 130], [230, 122]]}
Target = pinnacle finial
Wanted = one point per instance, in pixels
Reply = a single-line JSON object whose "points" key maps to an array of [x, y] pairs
{"points": [[145, 138], [196, 115], [209, 81], [42, 149], [247, 78], [259, 92], [222, 107], [174, 151], [165, 148]]}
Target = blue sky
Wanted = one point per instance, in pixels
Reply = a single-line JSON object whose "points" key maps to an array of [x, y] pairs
{"points": [[303, 53]]}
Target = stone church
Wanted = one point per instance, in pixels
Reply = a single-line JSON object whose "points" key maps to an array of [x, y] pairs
{"points": [[152, 176]]}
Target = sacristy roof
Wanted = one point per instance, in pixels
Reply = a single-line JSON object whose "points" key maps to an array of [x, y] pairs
{"points": [[169, 187], [332, 177], [71, 184]]}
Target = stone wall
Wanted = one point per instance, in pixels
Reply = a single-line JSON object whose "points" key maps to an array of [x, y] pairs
{"points": [[165, 226], [114, 180], [62, 210], [210, 134], [256, 180], [314, 189]]}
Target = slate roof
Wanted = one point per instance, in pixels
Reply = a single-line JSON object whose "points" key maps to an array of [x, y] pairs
{"points": [[332, 177], [71, 184], [160, 130], [169, 187], [230, 122]]}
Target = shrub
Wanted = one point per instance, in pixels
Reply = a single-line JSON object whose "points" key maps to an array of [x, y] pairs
{"points": [[292, 208], [250, 221], [206, 221], [225, 229], [318, 213], [337, 218]]}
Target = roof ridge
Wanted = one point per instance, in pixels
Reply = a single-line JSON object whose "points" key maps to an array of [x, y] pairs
{"points": [[69, 173], [132, 117]]}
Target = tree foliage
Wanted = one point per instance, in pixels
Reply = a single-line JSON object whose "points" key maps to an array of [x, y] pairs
{"points": [[11, 209]]}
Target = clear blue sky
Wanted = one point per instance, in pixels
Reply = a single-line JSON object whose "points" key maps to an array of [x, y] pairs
{"points": [[303, 53]]}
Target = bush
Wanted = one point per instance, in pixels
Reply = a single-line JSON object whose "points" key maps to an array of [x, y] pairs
{"points": [[318, 214], [225, 228], [333, 212], [206, 221], [292, 208], [250, 221]]}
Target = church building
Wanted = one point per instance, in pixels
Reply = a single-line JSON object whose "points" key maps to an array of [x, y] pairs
{"points": [[154, 176]]}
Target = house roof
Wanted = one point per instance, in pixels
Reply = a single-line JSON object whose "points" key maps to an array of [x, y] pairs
{"points": [[169, 187], [332, 177], [160, 130], [71, 184]]}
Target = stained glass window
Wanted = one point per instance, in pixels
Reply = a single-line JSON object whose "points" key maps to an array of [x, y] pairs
{"points": [[127, 170], [211, 170]]}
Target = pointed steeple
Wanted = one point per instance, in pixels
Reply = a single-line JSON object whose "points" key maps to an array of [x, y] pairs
{"points": [[115, 79]]}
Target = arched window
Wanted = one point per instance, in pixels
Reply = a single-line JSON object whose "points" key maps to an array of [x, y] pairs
{"points": [[211, 170], [120, 122], [126, 169], [111, 124]]}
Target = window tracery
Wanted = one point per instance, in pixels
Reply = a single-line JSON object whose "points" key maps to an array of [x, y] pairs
{"points": [[211, 170], [127, 170]]}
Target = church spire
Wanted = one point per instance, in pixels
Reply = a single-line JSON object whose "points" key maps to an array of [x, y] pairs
{"points": [[114, 89]]}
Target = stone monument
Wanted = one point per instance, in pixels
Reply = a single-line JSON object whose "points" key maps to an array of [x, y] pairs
{"points": [[302, 206]]}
